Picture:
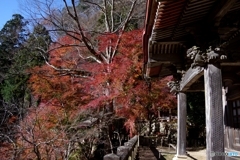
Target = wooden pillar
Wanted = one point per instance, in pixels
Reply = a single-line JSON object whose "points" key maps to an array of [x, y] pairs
{"points": [[181, 133], [214, 112]]}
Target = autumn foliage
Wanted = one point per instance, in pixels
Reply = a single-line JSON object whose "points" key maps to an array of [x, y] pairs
{"points": [[120, 81], [70, 84], [42, 135]]}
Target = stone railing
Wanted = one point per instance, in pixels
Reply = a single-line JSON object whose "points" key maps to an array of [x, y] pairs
{"points": [[126, 152]]}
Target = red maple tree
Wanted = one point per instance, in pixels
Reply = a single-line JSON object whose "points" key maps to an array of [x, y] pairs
{"points": [[73, 83], [120, 81]]}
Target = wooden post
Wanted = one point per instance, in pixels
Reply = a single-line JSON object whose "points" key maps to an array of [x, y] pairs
{"points": [[181, 133], [214, 112]]}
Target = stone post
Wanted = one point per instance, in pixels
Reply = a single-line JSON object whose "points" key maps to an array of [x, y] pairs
{"points": [[122, 151], [181, 132], [111, 157], [214, 112]]}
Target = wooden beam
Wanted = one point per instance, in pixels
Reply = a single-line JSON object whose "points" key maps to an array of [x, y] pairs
{"points": [[230, 64], [191, 76], [220, 11]]}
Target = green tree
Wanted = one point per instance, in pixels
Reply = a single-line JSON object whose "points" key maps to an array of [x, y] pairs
{"points": [[12, 35], [18, 55], [27, 55]]}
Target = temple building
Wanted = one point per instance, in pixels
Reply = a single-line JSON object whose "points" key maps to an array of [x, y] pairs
{"points": [[198, 42]]}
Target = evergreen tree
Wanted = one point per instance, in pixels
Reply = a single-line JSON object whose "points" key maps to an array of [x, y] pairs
{"points": [[19, 53], [12, 36]]}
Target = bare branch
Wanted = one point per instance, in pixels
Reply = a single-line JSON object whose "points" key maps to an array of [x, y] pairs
{"points": [[123, 28], [112, 16]]}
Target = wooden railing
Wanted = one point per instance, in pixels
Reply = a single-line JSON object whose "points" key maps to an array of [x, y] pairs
{"points": [[126, 152]]}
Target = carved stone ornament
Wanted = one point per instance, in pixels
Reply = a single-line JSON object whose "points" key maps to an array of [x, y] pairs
{"points": [[174, 86], [200, 59]]}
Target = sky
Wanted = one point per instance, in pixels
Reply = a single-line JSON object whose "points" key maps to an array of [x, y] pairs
{"points": [[7, 9], [10, 7]]}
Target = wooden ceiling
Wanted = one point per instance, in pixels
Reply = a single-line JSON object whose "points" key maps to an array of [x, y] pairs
{"points": [[173, 26]]}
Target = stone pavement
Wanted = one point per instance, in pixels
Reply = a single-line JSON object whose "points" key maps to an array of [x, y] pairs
{"points": [[199, 155], [147, 153]]}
